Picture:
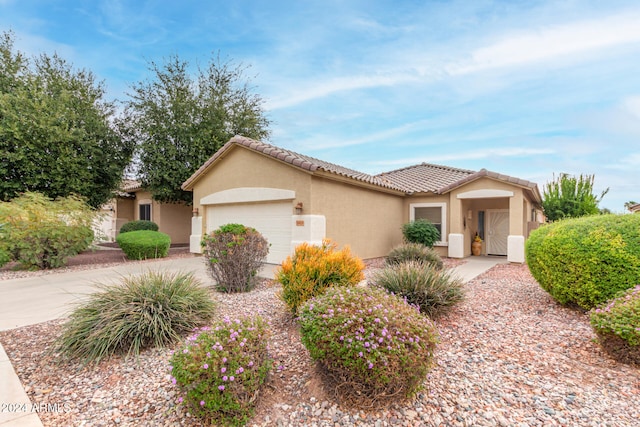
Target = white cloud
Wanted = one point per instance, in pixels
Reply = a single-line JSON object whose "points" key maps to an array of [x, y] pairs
{"points": [[544, 44], [321, 89]]}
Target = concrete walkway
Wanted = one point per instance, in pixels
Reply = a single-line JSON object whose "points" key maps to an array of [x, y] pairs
{"points": [[33, 300]]}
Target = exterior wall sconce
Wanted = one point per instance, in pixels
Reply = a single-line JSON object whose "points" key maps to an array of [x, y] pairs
{"points": [[195, 211], [299, 208]]}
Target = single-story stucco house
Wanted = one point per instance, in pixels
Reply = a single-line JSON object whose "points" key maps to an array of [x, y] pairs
{"points": [[292, 198], [635, 208], [133, 202]]}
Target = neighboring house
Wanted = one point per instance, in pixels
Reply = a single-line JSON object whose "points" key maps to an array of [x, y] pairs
{"points": [[132, 202], [291, 198], [635, 208]]}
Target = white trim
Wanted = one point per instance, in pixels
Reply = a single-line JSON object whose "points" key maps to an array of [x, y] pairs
{"points": [[443, 219], [485, 194], [247, 195]]}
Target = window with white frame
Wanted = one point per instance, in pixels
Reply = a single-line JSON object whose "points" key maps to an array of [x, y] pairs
{"points": [[436, 213]]}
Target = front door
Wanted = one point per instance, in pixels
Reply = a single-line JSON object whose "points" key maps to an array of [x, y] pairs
{"points": [[497, 231]]}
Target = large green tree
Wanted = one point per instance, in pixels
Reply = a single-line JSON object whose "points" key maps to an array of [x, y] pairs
{"points": [[570, 197], [56, 131], [179, 120]]}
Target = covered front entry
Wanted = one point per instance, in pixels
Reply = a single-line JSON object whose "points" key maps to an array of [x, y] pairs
{"points": [[496, 231]]}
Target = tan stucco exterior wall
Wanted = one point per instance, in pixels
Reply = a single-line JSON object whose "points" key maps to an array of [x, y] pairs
{"points": [[369, 221], [244, 168], [175, 220]]}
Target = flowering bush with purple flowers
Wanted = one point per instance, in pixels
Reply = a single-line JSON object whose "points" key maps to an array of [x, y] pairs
{"points": [[617, 324], [220, 370], [373, 346]]}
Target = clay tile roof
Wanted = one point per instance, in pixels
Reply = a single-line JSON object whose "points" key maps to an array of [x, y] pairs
{"points": [[422, 178], [299, 160], [425, 177], [489, 174], [130, 185]]}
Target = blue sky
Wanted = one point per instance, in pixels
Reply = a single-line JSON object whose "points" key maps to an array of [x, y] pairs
{"points": [[525, 88]]}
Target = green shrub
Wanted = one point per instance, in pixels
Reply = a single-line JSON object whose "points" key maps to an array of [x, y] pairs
{"points": [[152, 309], [373, 346], [234, 255], [434, 291], [617, 324], [415, 252], [40, 233], [314, 268], [144, 244], [138, 225], [220, 370], [586, 261], [421, 231], [4, 257]]}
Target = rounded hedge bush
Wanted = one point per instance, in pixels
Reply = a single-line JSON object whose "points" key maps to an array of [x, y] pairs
{"points": [[415, 252], [586, 261], [220, 370], [434, 291], [144, 244], [617, 324], [421, 231], [234, 255], [138, 225], [373, 347], [151, 309]]}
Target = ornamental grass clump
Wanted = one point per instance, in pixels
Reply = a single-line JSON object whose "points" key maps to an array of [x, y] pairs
{"points": [[373, 347], [234, 254], [314, 268], [617, 324], [434, 291], [153, 309], [414, 252], [220, 370]]}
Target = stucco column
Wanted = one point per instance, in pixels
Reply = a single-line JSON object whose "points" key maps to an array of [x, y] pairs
{"points": [[455, 216], [515, 240]]}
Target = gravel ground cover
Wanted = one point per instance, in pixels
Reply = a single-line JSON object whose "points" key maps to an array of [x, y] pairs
{"points": [[508, 356]]}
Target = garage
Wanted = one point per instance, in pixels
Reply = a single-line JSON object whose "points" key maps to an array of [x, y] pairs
{"points": [[272, 218]]}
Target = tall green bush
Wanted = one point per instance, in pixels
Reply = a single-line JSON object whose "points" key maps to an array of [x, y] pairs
{"points": [[234, 254], [586, 261], [41, 233], [144, 244], [421, 231]]}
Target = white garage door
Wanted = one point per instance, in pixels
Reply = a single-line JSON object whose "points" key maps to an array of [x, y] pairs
{"points": [[272, 220]]}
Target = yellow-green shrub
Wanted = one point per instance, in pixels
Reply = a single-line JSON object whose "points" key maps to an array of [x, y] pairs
{"points": [[41, 233], [314, 268]]}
